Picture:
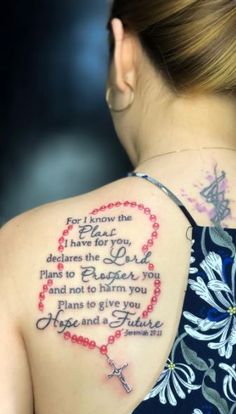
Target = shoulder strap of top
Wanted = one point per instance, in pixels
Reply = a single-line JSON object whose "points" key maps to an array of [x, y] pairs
{"points": [[167, 192]]}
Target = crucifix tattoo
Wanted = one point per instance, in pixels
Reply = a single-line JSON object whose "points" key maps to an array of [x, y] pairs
{"points": [[117, 372]]}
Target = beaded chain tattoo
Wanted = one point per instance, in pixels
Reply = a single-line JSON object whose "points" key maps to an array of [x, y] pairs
{"points": [[112, 263]]}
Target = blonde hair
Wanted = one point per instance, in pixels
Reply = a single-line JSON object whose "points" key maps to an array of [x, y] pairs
{"points": [[192, 42]]}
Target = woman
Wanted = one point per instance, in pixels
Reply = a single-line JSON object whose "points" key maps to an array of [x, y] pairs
{"points": [[123, 299]]}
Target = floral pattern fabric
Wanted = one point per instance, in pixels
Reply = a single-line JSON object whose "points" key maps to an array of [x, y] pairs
{"points": [[199, 376]]}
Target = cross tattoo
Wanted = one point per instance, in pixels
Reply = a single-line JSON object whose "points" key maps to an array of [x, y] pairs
{"points": [[117, 372]]}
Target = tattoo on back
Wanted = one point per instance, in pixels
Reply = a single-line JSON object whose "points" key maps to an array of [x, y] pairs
{"points": [[215, 194], [213, 200], [99, 275]]}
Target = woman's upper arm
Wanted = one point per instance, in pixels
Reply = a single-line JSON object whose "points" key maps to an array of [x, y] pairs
{"points": [[16, 395]]}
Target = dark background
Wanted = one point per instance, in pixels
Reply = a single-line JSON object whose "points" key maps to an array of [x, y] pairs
{"points": [[57, 138]]}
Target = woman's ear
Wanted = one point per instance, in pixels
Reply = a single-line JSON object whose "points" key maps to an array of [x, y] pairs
{"points": [[123, 56]]}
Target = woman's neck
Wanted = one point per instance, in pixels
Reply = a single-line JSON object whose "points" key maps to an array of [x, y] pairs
{"points": [[174, 167], [187, 124]]}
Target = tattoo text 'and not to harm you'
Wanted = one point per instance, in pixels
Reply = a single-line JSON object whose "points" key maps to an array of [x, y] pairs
{"points": [[94, 259]]}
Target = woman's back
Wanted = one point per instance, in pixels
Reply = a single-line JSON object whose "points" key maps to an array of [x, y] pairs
{"points": [[91, 266]]}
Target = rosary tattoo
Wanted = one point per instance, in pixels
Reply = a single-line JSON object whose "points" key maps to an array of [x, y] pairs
{"points": [[117, 258]]}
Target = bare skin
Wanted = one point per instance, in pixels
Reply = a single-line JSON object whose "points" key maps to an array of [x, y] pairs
{"points": [[40, 370]]}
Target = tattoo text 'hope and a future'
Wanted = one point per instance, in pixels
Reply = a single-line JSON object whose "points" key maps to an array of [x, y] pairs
{"points": [[101, 275]]}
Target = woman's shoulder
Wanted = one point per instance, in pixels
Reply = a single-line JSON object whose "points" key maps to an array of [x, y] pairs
{"points": [[35, 224], [26, 222], [96, 268]]}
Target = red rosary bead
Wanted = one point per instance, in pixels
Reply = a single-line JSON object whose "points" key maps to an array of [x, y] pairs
{"points": [[156, 226], [70, 227], [74, 339], [154, 235], [92, 345], [60, 248], [157, 291], [157, 282], [153, 218], [145, 314], [118, 204], [147, 211], [50, 282], [150, 308], [150, 242], [41, 306], [133, 204], [102, 208], [111, 339], [65, 233], [103, 349], [95, 211], [117, 334], [145, 248], [45, 288], [67, 335], [151, 266], [154, 300], [110, 205], [61, 240], [126, 203], [41, 295], [140, 206], [85, 342], [80, 340], [60, 266]]}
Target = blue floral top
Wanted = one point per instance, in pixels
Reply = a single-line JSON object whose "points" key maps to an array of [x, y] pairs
{"points": [[200, 374]]}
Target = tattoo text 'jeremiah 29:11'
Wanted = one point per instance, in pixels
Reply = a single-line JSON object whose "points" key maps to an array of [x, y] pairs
{"points": [[101, 275]]}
